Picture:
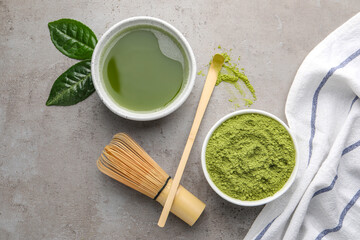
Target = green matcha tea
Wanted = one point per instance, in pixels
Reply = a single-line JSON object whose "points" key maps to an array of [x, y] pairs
{"points": [[144, 69]]}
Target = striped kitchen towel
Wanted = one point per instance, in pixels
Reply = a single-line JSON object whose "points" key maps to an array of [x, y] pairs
{"points": [[323, 111]]}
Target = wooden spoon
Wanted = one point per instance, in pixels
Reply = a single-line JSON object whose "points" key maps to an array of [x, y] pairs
{"points": [[216, 65]]}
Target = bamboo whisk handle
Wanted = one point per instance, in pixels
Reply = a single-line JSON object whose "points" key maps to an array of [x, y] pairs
{"points": [[185, 206]]}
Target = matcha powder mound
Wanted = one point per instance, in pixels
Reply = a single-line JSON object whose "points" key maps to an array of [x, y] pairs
{"points": [[250, 156]]}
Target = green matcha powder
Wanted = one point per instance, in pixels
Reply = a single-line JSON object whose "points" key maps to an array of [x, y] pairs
{"points": [[250, 157]]}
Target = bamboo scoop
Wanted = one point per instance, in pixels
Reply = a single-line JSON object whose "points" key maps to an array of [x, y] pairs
{"points": [[211, 78]]}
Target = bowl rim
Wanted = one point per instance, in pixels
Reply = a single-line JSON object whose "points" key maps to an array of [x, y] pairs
{"points": [[239, 202], [96, 60]]}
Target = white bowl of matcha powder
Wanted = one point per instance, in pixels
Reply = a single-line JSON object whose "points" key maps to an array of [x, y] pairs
{"points": [[249, 157]]}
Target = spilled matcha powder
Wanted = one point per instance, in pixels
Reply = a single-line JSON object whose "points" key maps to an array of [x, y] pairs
{"points": [[231, 74], [250, 156]]}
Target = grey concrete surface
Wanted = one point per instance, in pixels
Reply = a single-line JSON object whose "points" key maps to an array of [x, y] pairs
{"points": [[50, 187]]}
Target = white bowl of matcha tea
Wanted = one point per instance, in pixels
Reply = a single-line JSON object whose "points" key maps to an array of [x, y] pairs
{"points": [[143, 68], [249, 157]]}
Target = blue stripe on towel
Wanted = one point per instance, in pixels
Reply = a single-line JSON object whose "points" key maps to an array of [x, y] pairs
{"points": [[316, 97], [328, 188], [331, 186], [350, 148], [261, 234], [342, 216], [353, 101]]}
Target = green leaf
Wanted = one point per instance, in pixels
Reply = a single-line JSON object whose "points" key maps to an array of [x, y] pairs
{"points": [[72, 38], [72, 86]]}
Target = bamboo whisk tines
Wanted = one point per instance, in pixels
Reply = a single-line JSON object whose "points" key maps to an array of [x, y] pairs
{"points": [[125, 161]]}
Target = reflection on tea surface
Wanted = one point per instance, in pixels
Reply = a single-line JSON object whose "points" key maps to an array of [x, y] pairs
{"points": [[143, 70]]}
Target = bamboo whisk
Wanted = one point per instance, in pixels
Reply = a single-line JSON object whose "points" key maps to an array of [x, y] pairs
{"points": [[125, 161]]}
